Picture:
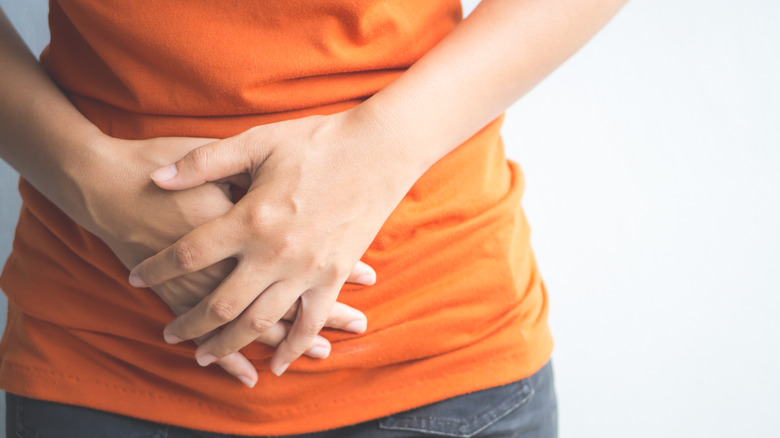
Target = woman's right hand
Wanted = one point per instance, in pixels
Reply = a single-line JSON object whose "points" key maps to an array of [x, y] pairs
{"points": [[136, 219]]}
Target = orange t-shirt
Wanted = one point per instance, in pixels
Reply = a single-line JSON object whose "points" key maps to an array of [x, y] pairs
{"points": [[459, 304]]}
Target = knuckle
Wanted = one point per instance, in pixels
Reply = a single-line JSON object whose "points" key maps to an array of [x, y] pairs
{"points": [[261, 323], [297, 349], [335, 275], [282, 245], [317, 263], [298, 345], [341, 271], [312, 327], [222, 311], [331, 278], [200, 158], [231, 363], [185, 257], [317, 260], [225, 349], [271, 337], [259, 218]]}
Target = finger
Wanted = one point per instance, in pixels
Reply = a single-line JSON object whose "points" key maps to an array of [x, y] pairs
{"points": [[211, 162], [319, 348], [314, 309], [260, 317], [240, 367], [362, 274], [198, 249], [236, 292], [236, 364], [272, 337], [342, 317]]}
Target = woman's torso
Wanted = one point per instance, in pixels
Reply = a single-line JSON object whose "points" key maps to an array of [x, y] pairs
{"points": [[459, 304]]}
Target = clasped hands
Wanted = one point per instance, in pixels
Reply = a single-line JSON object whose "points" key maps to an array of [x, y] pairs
{"points": [[315, 199]]}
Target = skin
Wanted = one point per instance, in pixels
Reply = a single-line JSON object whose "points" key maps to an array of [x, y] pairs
{"points": [[320, 188], [103, 184]]}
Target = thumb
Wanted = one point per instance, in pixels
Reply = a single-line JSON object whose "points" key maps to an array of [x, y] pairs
{"points": [[212, 162]]}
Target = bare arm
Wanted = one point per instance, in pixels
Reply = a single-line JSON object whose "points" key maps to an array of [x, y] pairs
{"points": [[323, 186], [42, 135], [495, 56], [102, 183]]}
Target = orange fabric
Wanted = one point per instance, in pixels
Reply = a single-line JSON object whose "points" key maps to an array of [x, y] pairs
{"points": [[459, 305]]}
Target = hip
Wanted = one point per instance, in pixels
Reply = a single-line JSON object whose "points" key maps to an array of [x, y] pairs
{"points": [[526, 408]]}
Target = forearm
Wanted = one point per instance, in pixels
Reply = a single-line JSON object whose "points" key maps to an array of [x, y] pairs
{"points": [[495, 56], [42, 135]]}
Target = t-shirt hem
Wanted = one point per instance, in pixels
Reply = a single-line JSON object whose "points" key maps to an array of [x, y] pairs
{"points": [[355, 407]]}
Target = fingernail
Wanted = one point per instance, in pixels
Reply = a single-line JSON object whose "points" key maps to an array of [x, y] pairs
{"points": [[165, 173], [171, 339], [357, 326], [136, 281], [319, 352], [206, 359], [281, 369], [247, 381], [366, 279]]}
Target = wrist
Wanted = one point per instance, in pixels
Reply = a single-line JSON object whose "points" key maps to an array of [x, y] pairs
{"points": [[90, 177], [415, 142], [124, 208], [389, 156]]}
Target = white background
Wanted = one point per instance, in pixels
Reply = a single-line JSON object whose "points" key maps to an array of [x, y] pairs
{"points": [[651, 160]]}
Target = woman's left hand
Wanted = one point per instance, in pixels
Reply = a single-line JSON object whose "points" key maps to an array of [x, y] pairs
{"points": [[319, 189]]}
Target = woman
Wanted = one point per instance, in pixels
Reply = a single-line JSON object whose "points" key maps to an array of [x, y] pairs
{"points": [[350, 129]]}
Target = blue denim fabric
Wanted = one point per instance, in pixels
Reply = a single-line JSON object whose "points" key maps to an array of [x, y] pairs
{"points": [[523, 409]]}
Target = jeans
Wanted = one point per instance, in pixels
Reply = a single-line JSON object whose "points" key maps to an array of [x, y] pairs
{"points": [[526, 408]]}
